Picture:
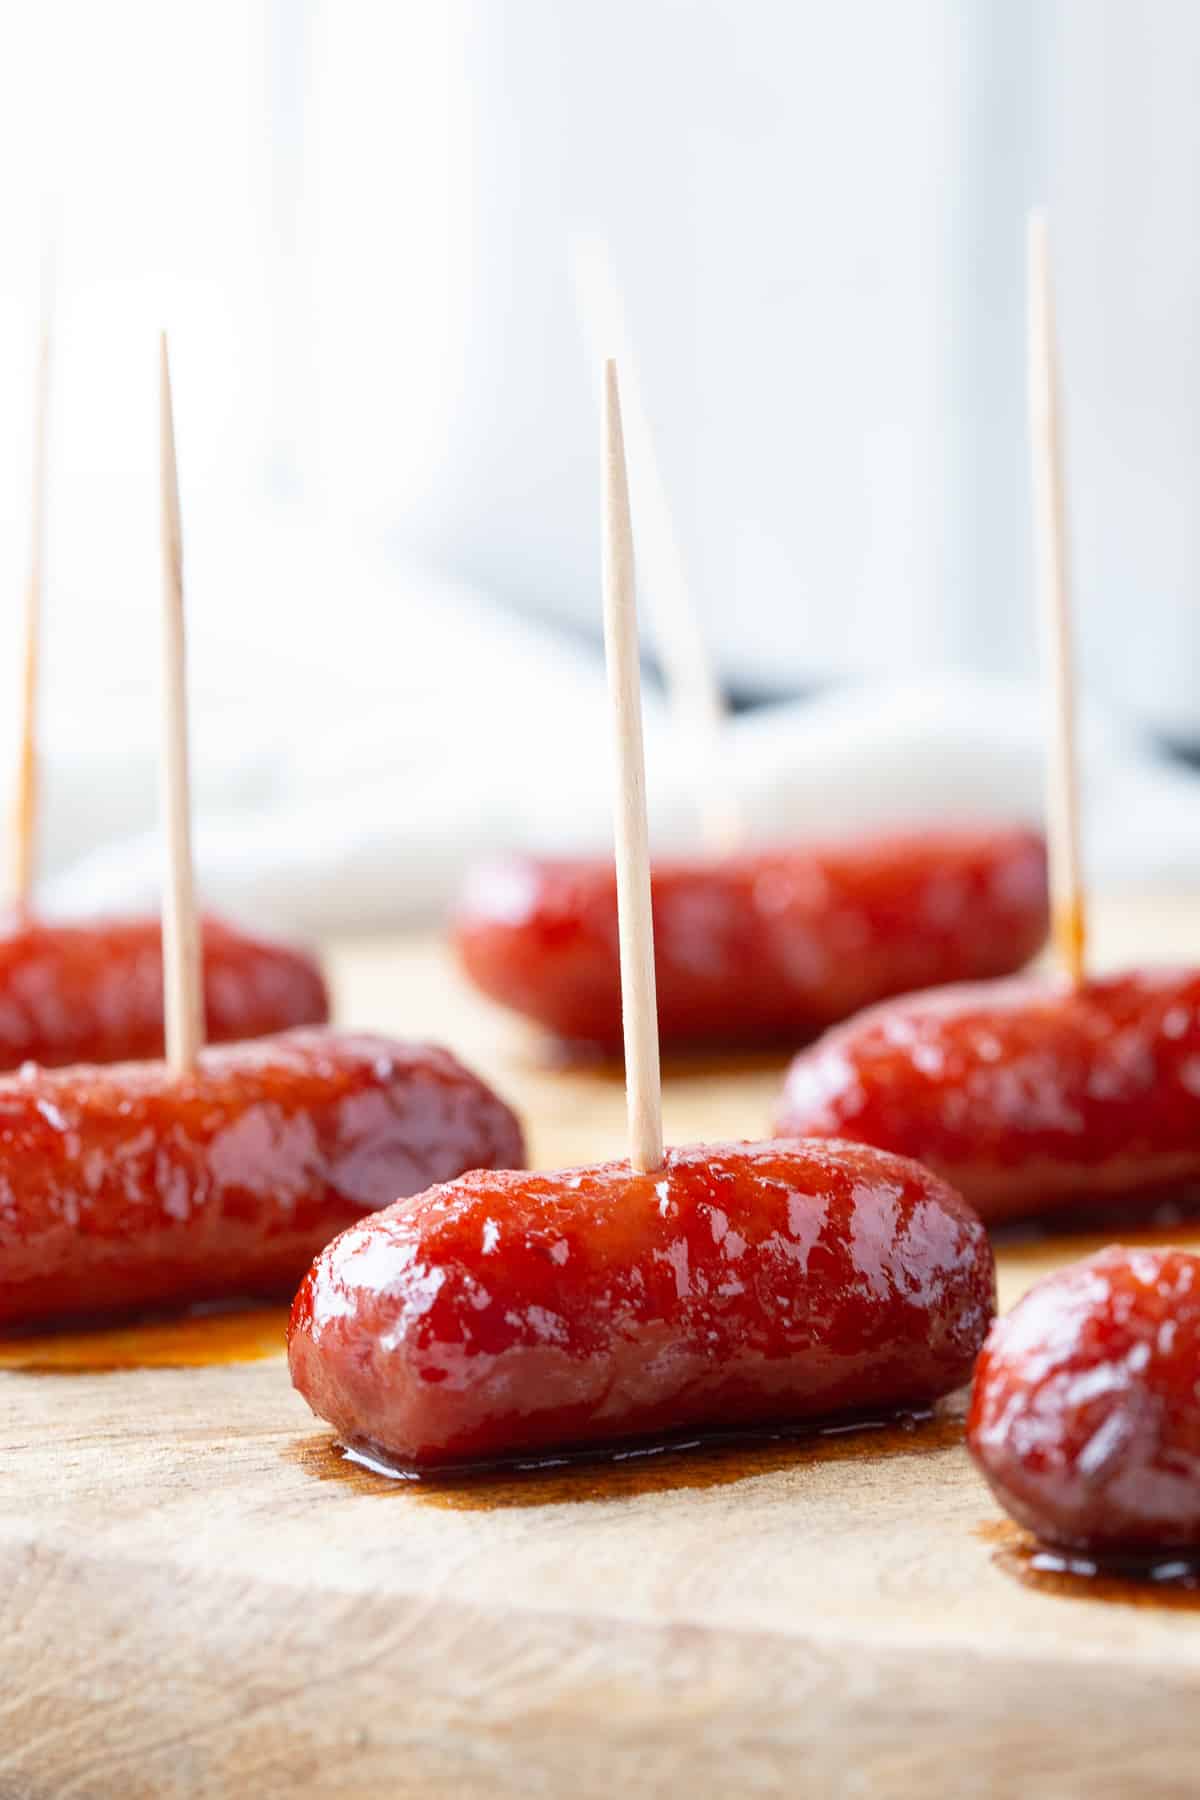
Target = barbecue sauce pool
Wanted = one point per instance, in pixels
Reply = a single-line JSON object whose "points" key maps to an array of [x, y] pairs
{"points": [[629, 1470], [200, 1338]]}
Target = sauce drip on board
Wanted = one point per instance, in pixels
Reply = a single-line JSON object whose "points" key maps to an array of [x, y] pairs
{"points": [[625, 1472], [1164, 1580], [197, 1339]]}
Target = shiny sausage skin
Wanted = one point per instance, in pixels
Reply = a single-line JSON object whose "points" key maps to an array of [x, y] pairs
{"points": [[1085, 1417], [758, 948], [742, 1285], [1030, 1098], [93, 993], [126, 1187]]}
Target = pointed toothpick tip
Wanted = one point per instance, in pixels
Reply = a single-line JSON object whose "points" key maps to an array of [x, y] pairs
{"points": [[182, 989], [1068, 900], [23, 830], [695, 701], [639, 1003]]}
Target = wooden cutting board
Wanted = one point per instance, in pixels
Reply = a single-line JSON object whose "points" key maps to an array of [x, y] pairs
{"points": [[201, 1599]]}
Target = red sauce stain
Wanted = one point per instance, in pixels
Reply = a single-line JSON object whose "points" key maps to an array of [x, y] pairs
{"points": [[1163, 1580], [627, 1471], [192, 1340]]}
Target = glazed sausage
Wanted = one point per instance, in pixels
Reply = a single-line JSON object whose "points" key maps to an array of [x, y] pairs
{"points": [[758, 948], [127, 1187], [1030, 1097], [1085, 1417], [93, 993], [739, 1286]]}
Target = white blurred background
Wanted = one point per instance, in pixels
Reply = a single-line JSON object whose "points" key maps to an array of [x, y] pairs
{"points": [[356, 218]]}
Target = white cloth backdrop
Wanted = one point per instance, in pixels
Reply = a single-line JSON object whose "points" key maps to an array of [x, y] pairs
{"points": [[356, 221], [369, 729]]}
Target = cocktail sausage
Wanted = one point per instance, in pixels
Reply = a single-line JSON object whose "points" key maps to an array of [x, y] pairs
{"points": [[1085, 1417], [93, 993], [740, 1286], [1032, 1098], [127, 1187], [765, 947]]}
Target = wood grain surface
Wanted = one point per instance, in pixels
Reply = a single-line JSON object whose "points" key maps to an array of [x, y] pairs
{"points": [[202, 1599]]}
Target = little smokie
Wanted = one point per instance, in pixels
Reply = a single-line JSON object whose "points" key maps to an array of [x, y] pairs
{"points": [[768, 946], [93, 993], [1085, 1416], [740, 1285], [1034, 1098], [127, 1187]]}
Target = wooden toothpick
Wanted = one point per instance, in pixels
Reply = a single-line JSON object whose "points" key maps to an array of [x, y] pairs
{"points": [[23, 845], [693, 691], [1068, 907], [639, 1002], [181, 938]]}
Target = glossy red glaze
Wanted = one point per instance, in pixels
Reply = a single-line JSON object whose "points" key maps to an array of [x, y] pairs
{"points": [[1085, 1416], [93, 993], [1028, 1096], [742, 1285], [127, 1187], [757, 948]]}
